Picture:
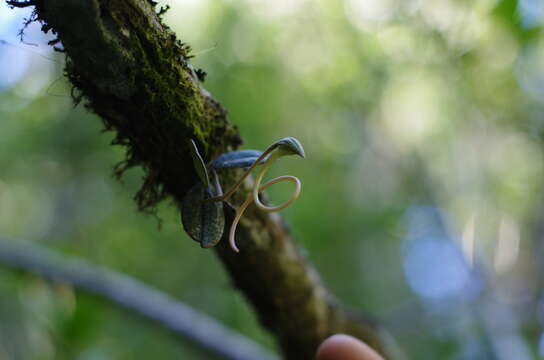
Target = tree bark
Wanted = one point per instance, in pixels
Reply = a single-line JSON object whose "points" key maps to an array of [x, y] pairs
{"points": [[131, 70]]}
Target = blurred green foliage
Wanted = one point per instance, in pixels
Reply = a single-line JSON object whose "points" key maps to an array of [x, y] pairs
{"points": [[398, 104]]}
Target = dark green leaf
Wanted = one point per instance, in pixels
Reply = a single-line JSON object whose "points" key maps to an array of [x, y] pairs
{"points": [[236, 159], [203, 221], [198, 163], [290, 146]]}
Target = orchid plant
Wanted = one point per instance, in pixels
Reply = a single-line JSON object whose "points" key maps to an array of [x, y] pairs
{"points": [[202, 209]]}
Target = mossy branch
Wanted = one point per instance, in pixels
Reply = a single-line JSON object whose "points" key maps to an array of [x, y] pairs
{"points": [[131, 70]]}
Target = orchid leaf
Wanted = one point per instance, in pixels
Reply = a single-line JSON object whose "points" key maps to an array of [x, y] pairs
{"points": [[199, 165], [203, 221], [289, 146], [236, 159]]}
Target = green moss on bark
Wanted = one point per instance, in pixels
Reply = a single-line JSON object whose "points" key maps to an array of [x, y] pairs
{"points": [[134, 73]]}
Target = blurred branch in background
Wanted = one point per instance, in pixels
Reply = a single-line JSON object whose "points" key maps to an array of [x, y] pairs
{"points": [[131, 294]]}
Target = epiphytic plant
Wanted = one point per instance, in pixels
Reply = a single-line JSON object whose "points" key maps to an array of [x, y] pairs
{"points": [[202, 211]]}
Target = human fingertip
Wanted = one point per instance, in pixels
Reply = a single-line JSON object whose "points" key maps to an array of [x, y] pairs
{"points": [[345, 347]]}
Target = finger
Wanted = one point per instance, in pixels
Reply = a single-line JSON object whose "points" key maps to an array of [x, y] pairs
{"points": [[345, 347]]}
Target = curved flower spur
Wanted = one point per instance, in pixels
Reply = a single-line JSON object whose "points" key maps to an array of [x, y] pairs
{"points": [[202, 211]]}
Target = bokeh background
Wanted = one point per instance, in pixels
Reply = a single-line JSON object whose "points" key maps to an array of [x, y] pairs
{"points": [[422, 197]]}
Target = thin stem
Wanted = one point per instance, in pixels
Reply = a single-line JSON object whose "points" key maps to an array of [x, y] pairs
{"points": [[239, 213], [231, 191], [254, 196], [257, 190], [217, 184]]}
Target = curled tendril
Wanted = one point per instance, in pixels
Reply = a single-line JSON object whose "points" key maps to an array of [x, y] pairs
{"points": [[254, 197], [286, 146]]}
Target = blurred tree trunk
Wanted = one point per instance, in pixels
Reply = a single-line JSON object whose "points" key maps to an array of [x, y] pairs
{"points": [[130, 69]]}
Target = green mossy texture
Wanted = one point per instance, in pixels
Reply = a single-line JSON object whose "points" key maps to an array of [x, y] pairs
{"points": [[145, 90]]}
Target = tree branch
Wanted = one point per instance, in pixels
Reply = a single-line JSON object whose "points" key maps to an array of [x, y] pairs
{"points": [[135, 75], [131, 294]]}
